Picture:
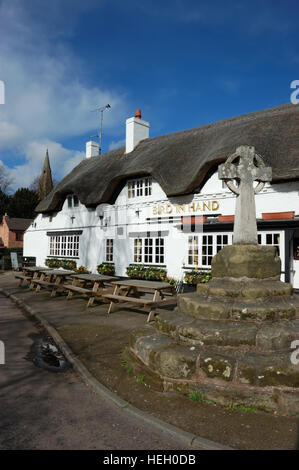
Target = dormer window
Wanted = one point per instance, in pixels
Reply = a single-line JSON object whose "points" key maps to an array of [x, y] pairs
{"points": [[139, 187], [72, 201]]}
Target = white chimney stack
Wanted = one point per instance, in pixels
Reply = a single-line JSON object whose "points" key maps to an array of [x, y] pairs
{"points": [[136, 130], [92, 149]]}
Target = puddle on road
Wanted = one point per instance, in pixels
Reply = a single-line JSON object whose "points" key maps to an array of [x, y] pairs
{"points": [[45, 354]]}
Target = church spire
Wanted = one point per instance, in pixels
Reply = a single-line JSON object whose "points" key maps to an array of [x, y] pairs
{"points": [[45, 185]]}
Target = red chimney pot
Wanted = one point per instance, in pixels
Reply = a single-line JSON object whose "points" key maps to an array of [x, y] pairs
{"points": [[138, 114]]}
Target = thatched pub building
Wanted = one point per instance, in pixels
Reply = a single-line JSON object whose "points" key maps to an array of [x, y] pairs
{"points": [[159, 202]]}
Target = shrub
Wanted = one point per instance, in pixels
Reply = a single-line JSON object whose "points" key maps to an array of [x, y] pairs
{"points": [[106, 268], [61, 263], [195, 276]]}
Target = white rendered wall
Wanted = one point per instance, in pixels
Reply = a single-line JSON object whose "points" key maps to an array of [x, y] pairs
{"points": [[130, 215]]}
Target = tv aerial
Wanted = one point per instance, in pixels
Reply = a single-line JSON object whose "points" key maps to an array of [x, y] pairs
{"points": [[100, 135]]}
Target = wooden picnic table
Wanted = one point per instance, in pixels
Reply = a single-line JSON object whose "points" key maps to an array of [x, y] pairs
{"points": [[34, 269], [51, 279], [89, 285], [133, 290], [29, 273]]}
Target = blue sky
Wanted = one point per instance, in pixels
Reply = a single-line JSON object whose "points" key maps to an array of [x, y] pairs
{"points": [[185, 63]]}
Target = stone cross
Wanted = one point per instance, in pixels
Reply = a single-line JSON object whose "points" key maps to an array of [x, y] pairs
{"points": [[249, 168]]}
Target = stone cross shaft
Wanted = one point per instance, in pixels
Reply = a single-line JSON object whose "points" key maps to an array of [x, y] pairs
{"points": [[249, 168]]}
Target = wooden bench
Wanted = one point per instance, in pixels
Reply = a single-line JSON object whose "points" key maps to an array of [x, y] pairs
{"points": [[135, 300], [85, 292], [22, 278], [80, 290], [42, 284], [148, 304]]}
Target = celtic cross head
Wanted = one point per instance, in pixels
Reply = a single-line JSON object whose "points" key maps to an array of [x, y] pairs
{"points": [[244, 166], [239, 172]]}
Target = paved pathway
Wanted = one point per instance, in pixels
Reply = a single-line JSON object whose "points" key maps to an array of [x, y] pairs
{"points": [[44, 410]]}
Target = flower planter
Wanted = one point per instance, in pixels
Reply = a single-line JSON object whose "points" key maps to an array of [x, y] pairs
{"points": [[148, 273], [278, 215], [61, 263], [106, 269], [226, 218], [197, 277]]}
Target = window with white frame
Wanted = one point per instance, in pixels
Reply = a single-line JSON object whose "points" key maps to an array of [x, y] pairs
{"points": [[221, 241], [64, 245], [109, 249], [131, 189], [159, 250], [138, 250], [207, 250], [270, 238], [72, 201], [202, 247], [147, 186], [139, 187], [149, 250], [193, 250]]}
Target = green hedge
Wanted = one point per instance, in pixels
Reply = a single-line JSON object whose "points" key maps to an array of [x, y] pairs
{"points": [[107, 269]]}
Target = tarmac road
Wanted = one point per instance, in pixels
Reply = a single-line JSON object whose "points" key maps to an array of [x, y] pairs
{"points": [[46, 410]]}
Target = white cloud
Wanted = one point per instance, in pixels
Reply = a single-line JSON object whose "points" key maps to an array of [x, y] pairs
{"points": [[117, 144], [62, 162], [47, 98]]}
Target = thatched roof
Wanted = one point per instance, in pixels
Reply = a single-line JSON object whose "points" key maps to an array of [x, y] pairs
{"points": [[183, 161]]}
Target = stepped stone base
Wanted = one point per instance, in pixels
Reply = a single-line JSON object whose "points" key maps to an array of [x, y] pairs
{"points": [[253, 261], [258, 373], [231, 339]]}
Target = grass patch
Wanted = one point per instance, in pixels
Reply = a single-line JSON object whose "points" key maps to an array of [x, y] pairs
{"points": [[243, 408], [125, 365], [199, 397], [140, 379]]}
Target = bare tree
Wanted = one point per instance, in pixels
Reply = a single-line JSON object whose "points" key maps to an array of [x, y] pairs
{"points": [[34, 185], [5, 179]]}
